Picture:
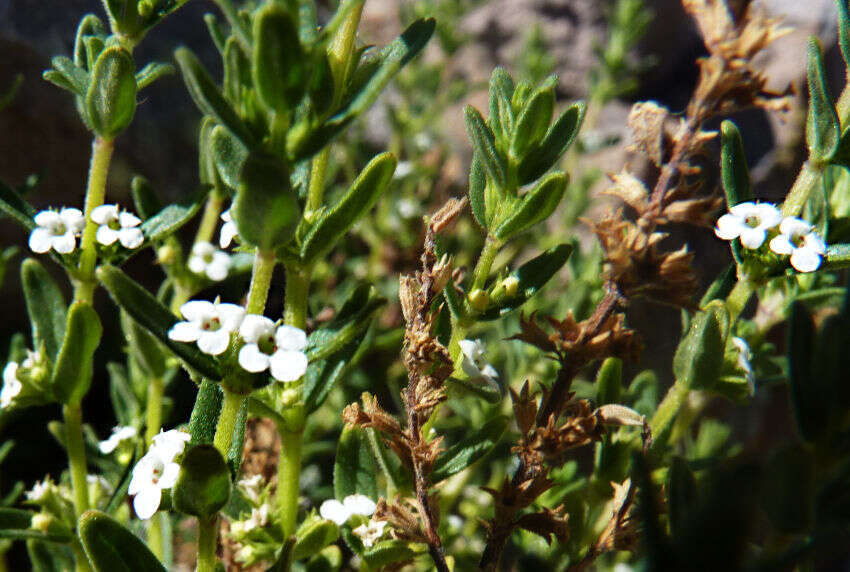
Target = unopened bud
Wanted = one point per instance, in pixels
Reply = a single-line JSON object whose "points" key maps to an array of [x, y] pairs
{"points": [[41, 521], [289, 397], [166, 255], [479, 299], [511, 286]]}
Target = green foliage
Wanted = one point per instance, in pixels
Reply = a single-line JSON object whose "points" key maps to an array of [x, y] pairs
{"points": [[72, 373], [822, 128], [203, 486], [45, 306], [110, 547], [354, 466]]}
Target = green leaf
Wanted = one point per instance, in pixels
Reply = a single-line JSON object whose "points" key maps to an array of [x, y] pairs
{"points": [[733, 165], [469, 450], [90, 25], [16, 207], [73, 370], [45, 306], [354, 466], [809, 405], [822, 127], [279, 65], [15, 524], [237, 70], [360, 197], [534, 207], [144, 347], [681, 495], [144, 198], [203, 486], [477, 186], [68, 76], [609, 381], [111, 95], [152, 72], [207, 96], [170, 219], [204, 418], [721, 287], [533, 121], [47, 557], [699, 357], [265, 208], [501, 112], [237, 442], [558, 139], [387, 552], [530, 278], [228, 155], [112, 548], [312, 536], [484, 147], [154, 317]]}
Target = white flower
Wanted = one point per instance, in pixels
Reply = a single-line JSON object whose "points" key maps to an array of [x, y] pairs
{"points": [[251, 487], [11, 385], [207, 323], [748, 221], [56, 230], [207, 260], [119, 434], [39, 490], [279, 349], [228, 230], [340, 512], [403, 169], [151, 475], [407, 208], [744, 357], [171, 443], [473, 363], [371, 532], [117, 225], [798, 238], [259, 518]]}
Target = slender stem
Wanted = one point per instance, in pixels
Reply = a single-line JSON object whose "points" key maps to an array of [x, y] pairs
{"points": [[153, 418], [662, 421], [738, 298], [288, 479], [95, 195], [261, 279], [73, 415], [802, 188], [227, 421], [209, 221], [155, 540], [207, 544], [485, 262], [229, 10], [318, 169], [295, 302]]}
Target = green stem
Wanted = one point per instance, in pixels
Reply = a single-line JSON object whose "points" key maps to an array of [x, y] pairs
{"points": [[288, 478], [662, 422], [485, 262], [317, 181], [207, 543], [295, 301], [261, 279], [153, 418], [209, 222], [227, 421], [81, 561], [73, 415], [804, 184], [95, 195], [239, 29], [738, 298]]}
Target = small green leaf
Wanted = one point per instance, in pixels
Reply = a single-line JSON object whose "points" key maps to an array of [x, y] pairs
{"points": [[46, 307], [90, 25], [501, 112], [279, 65], [204, 418], [203, 486], [484, 146], [68, 76], [207, 96], [387, 552], [170, 219], [733, 165], [73, 370], [360, 197], [699, 357], [531, 277], [312, 536], [681, 495], [808, 402], [154, 317], [822, 127], [533, 121], [16, 207], [237, 443], [609, 381], [112, 548], [15, 525], [477, 186], [534, 207], [152, 72], [111, 95], [469, 450], [228, 155], [558, 139], [144, 198], [144, 347], [237, 70], [354, 466], [265, 208]]}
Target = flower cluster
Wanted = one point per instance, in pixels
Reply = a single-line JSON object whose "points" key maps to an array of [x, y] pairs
{"points": [[117, 225], [473, 363], [207, 260], [156, 471], [12, 385], [58, 230], [751, 222], [340, 512], [267, 345]]}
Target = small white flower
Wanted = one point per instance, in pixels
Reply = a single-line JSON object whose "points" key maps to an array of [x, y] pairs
{"points": [[118, 435], [56, 230], [473, 363], [11, 385], [744, 357], [407, 208], [279, 349], [799, 239], [117, 225], [340, 512], [208, 261], [39, 490], [258, 519], [748, 221], [207, 323], [403, 169], [228, 230], [371, 532], [251, 487], [171, 443], [151, 475]]}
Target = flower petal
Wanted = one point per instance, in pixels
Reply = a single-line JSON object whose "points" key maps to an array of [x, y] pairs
{"points": [[106, 235], [252, 359], [290, 338], [805, 260], [335, 511], [753, 237], [254, 327], [228, 232], [729, 227], [47, 218], [231, 316], [288, 365], [203, 249], [743, 210], [359, 504], [131, 237], [196, 264], [104, 214], [73, 219], [781, 244], [794, 226], [147, 502], [185, 332], [769, 216], [815, 242], [64, 243], [41, 240], [198, 310], [169, 476], [128, 220], [217, 270], [214, 343]]}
